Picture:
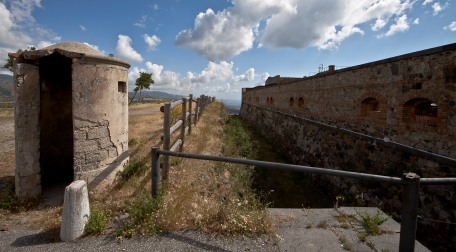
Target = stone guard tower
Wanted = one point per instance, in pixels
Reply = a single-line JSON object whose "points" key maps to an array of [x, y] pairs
{"points": [[71, 117]]}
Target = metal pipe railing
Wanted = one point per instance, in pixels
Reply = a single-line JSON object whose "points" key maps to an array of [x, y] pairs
{"points": [[410, 183]]}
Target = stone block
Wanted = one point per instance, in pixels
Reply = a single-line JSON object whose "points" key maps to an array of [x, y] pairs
{"points": [[99, 132], [76, 211]]}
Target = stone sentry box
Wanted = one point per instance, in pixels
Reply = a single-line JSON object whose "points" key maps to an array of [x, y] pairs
{"points": [[71, 117]]}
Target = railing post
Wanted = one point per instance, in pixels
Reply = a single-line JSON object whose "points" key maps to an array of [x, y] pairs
{"points": [[155, 180], [197, 109], [409, 211], [184, 122], [166, 138], [190, 102]]}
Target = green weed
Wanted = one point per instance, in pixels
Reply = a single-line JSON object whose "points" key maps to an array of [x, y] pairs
{"points": [[98, 221], [372, 222], [134, 167], [141, 216]]}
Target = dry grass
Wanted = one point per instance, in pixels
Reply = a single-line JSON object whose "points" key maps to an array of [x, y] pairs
{"points": [[209, 196], [203, 195]]}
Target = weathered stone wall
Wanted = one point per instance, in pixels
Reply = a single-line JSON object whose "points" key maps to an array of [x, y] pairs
{"points": [[344, 98], [377, 99], [71, 117], [100, 115], [27, 130]]}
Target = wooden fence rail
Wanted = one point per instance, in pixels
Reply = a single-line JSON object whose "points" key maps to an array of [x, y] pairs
{"points": [[186, 122]]}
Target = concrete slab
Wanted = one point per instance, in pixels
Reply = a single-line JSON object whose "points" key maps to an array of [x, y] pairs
{"points": [[334, 230]]}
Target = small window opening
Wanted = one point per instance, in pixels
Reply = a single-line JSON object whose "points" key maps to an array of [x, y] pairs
{"points": [[419, 112], [122, 87], [426, 109], [291, 102], [369, 106], [300, 102]]}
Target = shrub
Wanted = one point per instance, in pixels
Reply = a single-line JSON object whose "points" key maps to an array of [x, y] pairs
{"points": [[98, 221], [134, 167]]}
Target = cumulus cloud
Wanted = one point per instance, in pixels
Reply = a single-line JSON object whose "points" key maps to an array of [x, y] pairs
{"points": [[221, 35], [265, 76], [416, 21], [126, 51], [451, 26], [287, 23], [18, 28], [401, 25], [151, 41], [425, 2], [437, 7], [213, 79]]}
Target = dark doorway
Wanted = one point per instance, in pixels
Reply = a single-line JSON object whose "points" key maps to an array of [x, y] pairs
{"points": [[56, 121]]}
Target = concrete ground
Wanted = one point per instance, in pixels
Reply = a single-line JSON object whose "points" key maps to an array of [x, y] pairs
{"points": [[297, 230]]}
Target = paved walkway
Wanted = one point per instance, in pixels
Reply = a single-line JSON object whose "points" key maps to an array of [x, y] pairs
{"points": [[297, 229]]}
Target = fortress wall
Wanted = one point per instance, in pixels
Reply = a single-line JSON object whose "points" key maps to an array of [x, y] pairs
{"points": [[344, 98], [347, 99]]}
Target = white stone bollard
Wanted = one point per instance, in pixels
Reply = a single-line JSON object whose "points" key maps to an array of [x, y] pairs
{"points": [[76, 211]]}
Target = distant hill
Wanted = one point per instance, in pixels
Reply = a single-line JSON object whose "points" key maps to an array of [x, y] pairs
{"points": [[6, 87], [155, 94]]}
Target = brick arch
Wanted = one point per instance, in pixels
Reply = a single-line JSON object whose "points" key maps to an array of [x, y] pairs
{"points": [[291, 102], [372, 105], [411, 118]]}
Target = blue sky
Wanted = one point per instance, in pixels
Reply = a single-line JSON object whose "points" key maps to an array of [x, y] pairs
{"points": [[217, 47]]}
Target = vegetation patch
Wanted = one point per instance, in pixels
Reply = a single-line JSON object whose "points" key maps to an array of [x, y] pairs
{"points": [[142, 216], [371, 223], [98, 221], [134, 167]]}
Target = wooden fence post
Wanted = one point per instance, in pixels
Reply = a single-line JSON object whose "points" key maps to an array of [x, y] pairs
{"points": [[155, 179], [197, 109], [184, 122], [190, 102], [166, 138]]}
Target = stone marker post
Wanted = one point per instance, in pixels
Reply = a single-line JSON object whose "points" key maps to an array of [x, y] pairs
{"points": [[76, 211]]}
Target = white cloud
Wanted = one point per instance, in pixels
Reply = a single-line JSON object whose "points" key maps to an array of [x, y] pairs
{"points": [[141, 22], [265, 76], [249, 75], [401, 25], [436, 7], [379, 24], [451, 26], [82, 28], [416, 21], [18, 28], [151, 41], [95, 47], [43, 44], [155, 6], [425, 2], [125, 51], [214, 79], [287, 23], [10, 35]]}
